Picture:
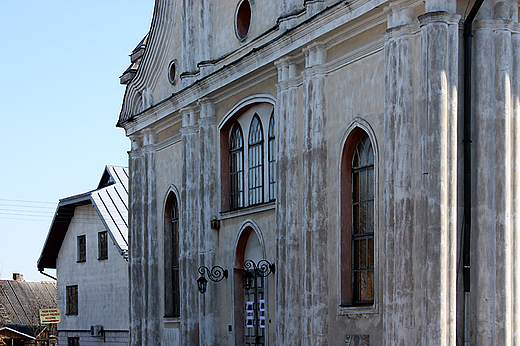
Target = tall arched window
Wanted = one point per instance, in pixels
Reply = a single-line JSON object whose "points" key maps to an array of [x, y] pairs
{"points": [[256, 162], [363, 222], [236, 164], [272, 160], [358, 226], [172, 295]]}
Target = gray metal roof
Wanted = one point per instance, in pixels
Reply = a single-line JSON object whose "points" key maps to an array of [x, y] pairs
{"points": [[110, 200], [111, 203]]}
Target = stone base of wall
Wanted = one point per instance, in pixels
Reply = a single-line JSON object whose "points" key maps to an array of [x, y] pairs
{"points": [[119, 337]]}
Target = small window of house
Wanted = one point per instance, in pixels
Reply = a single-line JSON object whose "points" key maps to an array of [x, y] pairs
{"points": [[73, 341], [82, 248], [103, 245], [243, 19], [72, 300]]}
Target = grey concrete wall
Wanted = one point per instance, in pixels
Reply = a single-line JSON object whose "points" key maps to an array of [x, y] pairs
{"points": [[392, 69]]}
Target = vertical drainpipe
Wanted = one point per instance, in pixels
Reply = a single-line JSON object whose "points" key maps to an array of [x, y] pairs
{"points": [[468, 34]]}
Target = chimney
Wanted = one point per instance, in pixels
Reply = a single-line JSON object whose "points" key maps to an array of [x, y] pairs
{"points": [[17, 277]]}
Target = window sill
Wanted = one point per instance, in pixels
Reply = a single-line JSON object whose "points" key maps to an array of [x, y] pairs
{"points": [[351, 310], [247, 210], [171, 322]]}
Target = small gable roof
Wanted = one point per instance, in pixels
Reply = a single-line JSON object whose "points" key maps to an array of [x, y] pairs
{"points": [[21, 301], [110, 200]]}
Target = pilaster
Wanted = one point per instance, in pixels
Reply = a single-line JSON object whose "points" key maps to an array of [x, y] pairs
{"points": [[136, 240], [398, 171], [315, 211], [188, 42], [289, 281], [189, 240], [205, 37], [144, 324], [151, 237], [208, 209], [496, 208], [436, 179]]}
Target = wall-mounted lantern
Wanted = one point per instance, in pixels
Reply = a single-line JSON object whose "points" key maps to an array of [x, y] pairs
{"points": [[216, 274], [215, 224], [252, 270]]}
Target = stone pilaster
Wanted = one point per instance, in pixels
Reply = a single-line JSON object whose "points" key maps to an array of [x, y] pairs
{"points": [[436, 178], [314, 6], [288, 314], [189, 240], [288, 10], [136, 239], [151, 237], [398, 171], [515, 103], [144, 266], [188, 42], [495, 207], [208, 237], [205, 36], [315, 211]]}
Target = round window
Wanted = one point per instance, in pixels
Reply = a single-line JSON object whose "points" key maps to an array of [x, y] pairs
{"points": [[243, 19], [172, 70]]}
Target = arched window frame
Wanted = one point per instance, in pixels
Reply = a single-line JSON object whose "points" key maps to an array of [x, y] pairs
{"points": [[242, 113], [348, 300], [271, 152], [172, 286], [256, 161], [236, 167]]}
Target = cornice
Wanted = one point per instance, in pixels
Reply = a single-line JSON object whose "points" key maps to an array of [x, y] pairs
{"points": [[497, 24], [439, 17], [258, 64]]}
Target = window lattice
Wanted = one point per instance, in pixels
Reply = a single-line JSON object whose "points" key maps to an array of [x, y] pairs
{"points": [[363, 222], [272, 160], [236, 169], [256, 162]]}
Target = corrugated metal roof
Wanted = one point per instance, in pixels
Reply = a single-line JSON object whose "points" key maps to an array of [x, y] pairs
{"points": [[111, 203], [110, 200], [20, 301]]}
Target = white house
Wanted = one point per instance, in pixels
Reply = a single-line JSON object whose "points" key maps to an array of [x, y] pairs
{"points": [[87, 244]]}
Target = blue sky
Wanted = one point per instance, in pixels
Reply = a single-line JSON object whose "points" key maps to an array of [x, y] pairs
{"points": [[59, 102]]}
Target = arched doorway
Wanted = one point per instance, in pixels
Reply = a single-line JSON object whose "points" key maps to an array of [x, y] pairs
{"points": [[251, 313]]}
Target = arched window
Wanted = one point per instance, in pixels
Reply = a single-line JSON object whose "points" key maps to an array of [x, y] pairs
{"points": [[236, 170], [272, 160], [358, 226], [256, 162], [172, 295]]}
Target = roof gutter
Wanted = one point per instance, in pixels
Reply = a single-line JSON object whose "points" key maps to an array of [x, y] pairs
{"points": [[466, 250], [50, 276]]}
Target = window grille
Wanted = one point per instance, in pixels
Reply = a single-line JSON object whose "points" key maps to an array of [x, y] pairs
{"points": [[103, 245], [236, 170], [72, 300], [363, 222], [175, 258], [82, 248], [272, 160], [256, 162]]}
